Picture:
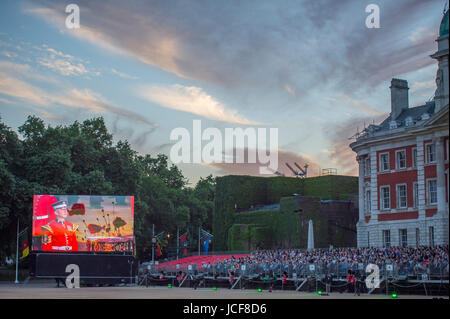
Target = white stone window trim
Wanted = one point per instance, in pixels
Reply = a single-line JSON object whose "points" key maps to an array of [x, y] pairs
{"points": [[401, 242], [397, 160], [381, 169], [428, 194], [397, 195], [414, 158], [367, 200], [382, 197], [427, 160], [367, 167], [384, 241]]}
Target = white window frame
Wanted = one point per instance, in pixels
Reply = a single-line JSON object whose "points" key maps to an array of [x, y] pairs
{"points": [[367, 166], [385, 242], [414, 157], [415, 194], [382, 197], [381, 162], [397, 160], [403, 243], [427, 156], [398, 195], [429, 202]]}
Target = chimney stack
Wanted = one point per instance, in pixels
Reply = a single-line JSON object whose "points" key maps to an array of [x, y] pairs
{"points": [[399, 97]]}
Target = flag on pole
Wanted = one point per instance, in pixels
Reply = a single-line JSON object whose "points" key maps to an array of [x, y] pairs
{"points": [[159, 245], [206, 245], [24, 244], [183, 241], [205, 237], [158, 250]]}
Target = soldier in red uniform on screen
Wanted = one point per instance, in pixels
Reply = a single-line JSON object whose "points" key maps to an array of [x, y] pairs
{"points": [[60, 235]]}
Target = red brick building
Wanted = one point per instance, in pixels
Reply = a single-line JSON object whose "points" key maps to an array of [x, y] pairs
{"points": [[403, 167]]}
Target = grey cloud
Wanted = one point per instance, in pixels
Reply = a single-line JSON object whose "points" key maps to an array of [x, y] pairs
{"points": [[162, 148], [341, 153], [141, 140], [128, 132], [267, 44]]}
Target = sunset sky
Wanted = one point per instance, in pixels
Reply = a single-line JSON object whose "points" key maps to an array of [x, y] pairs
{"points": [[310, 68]]}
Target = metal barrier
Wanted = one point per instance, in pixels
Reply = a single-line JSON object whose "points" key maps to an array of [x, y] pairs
{"points": [[419, 271]]}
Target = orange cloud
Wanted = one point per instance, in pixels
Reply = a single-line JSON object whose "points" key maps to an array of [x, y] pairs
{"points": [[192, 100]]}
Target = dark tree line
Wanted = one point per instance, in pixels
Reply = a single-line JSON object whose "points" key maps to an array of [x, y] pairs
{"points": [[81, 158]]}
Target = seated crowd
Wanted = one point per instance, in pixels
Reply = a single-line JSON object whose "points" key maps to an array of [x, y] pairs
{"points": [[408, 259]]}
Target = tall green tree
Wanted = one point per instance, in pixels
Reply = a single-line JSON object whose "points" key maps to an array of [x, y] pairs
{"points": [[81, 158]]}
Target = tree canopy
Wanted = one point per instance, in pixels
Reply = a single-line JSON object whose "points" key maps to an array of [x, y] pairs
{"points": [[82, 158]]}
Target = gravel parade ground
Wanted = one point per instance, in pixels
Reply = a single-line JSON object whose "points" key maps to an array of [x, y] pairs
{"points": [[48, 290]]}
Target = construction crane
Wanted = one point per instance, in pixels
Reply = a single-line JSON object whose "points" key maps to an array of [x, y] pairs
{"points": [[303, 170], [302, 173]]}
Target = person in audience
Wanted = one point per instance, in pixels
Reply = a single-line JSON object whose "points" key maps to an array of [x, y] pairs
{"points": [[231, 279], [338, 261]]}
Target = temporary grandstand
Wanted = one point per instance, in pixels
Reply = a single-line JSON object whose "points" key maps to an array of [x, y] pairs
{"points": [[429, 276]]}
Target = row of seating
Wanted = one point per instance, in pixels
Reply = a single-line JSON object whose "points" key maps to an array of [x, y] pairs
{"points": [[198, 260]]}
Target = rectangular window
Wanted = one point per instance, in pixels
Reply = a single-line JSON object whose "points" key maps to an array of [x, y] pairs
{"points": [[400, 159], [385, 197], [403, 237], [432, 192], [384, 162], [417, 237], [401, 196], [416, 194], [386, 238], [367, 167], [414, 157], [431, 153], [431, 235], [367, 201]]}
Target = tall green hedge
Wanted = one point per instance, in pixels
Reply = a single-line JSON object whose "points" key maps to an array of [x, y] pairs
{"points": [[283, 226]]}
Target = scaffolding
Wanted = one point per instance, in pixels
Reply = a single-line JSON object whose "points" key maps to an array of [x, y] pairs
{"points": [[329, 171]]}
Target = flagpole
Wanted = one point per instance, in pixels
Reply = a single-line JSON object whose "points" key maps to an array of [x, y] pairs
{"points": [[17, 252], [178, 241], [153, 245]]}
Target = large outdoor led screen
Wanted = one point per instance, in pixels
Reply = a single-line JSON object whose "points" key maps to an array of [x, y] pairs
{"points": [[66, 223]]}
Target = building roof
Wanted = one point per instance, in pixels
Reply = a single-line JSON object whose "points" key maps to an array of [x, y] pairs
{"points": [[443, 30], [419, 116], [415, 113]]}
